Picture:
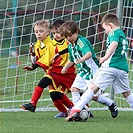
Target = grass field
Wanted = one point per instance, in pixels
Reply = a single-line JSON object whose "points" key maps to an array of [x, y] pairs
{"points": [[43, 122]]}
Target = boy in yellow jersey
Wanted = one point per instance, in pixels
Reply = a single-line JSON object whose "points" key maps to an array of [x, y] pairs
{"points": [[44, 51], [60, 59]]}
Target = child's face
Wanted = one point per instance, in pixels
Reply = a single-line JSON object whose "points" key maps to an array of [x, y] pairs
{"points": [[107, 27], [56, 34], [40, 32], [72, 38]]}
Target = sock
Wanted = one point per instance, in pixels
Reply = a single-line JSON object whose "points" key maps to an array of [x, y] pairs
{"points": [[36, 95], [81, 93], [66, 101], [104, 100], [59, 105], [85, 98], [130, 100], [75, 97]]}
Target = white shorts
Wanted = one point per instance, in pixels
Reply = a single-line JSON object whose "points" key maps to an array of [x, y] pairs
{"points": [[83, 84], [80, 83], [107, 76]]}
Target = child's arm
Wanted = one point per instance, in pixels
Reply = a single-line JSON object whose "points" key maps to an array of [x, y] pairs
{"points": [[30, 68], [65, 68], [32, 53], [64, 51], [85, 57], [110, 51]]}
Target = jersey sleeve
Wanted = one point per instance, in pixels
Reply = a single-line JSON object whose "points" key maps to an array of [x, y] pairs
{"points": [[45, 60], [84, 45], [114, 37], [70, 53]]}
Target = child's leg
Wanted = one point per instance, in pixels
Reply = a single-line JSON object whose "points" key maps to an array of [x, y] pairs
{"points": [[39, 89], [66, 101], [122, 86], [129, 97], [103, 100], [78, 85], [36, 95], [75, 95], [56, 96], [108, 102], [86, 97]]}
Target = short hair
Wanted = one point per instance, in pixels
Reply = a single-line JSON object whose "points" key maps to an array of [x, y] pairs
{"points": [[56, 24], [110, 18], [43, 23], [69, 28]]}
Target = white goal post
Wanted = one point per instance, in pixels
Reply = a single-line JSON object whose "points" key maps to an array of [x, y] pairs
{"points": [[16, 33]]}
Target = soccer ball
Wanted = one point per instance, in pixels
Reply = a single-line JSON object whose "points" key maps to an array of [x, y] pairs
{"points": [[84, 115]]}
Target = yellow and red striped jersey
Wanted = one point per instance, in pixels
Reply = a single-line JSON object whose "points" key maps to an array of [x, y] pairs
{"points": [[60, 62], [44, 52]]}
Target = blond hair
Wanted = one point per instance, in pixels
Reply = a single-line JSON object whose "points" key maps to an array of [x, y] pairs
{"points": [[43, 23], [110, 18]]}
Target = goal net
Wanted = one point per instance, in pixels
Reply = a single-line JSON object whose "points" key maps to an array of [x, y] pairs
{"points": [[16, 33]]}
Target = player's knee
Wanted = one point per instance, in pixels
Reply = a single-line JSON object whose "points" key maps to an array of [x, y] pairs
{"points": [[56, 95], [73, 89], [45, 82], [94, 98]]}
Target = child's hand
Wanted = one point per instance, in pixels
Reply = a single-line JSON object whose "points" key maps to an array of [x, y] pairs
{"points": [[28, 68], [79, 61], [102, 59], [32, 49], [64, 70], [57, 55]]}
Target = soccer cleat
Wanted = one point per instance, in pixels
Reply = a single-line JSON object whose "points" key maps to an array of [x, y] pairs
{"points": [[74, 115], [114, 110], [91, 115], [29, 107], [61, 114]]}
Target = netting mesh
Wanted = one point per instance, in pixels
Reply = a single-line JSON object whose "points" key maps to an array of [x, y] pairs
{"points": [[16, 33]]}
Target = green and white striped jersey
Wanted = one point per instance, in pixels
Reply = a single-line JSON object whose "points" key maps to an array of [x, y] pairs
{"points": [[118, 58], [88, 68]]}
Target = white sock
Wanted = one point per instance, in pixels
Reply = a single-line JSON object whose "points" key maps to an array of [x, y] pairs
{"points": [[85, 98], [104, 100], [75, 97], [130, 100]]}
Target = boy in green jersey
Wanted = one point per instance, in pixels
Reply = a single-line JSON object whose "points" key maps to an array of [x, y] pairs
{"points": [[83, 56], [113, 70]]}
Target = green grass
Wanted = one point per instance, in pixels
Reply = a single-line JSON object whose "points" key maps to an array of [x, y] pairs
{"points": [[43, 122]]}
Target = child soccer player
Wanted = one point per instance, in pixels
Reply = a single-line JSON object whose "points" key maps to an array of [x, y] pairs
{"points": [[44, 51], [82, 54], [114, 68]]}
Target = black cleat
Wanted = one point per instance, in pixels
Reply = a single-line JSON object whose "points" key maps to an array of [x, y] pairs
{"points": [[91, 115], [76, 117], [29, 107], [114, 110]]}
